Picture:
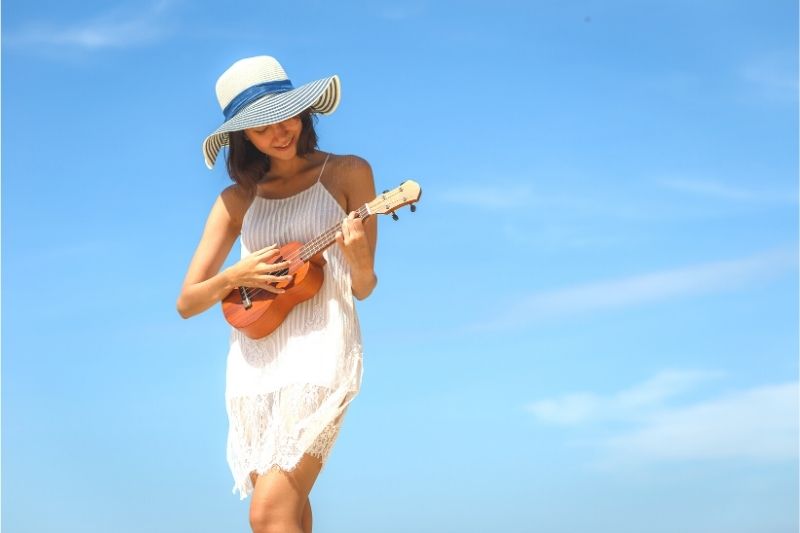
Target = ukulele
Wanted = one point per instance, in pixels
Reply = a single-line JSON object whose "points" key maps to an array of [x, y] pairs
{"points": [[257, 312]]}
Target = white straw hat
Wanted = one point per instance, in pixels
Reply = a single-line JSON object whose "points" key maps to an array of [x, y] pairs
{"points": [[255, 91]]}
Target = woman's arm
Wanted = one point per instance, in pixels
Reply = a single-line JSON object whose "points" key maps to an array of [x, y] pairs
{"points": [[205, 285], [357, 238]]}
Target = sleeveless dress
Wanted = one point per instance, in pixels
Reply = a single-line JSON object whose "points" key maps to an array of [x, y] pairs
{"points": [[287, 393]]}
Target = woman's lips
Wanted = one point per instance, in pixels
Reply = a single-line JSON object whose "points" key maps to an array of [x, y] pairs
{"points": [[286, 146]]}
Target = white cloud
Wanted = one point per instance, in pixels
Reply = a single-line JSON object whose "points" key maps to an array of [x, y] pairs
{"points": [[773, 74], [645, 288], [586, 407], [722, 191], [488, 197], [399, 12], [757, 423], [553, 235], [521, 194], [115, 29]]}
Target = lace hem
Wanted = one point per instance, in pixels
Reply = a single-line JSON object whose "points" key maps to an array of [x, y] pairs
{"points": [[274, 430]]}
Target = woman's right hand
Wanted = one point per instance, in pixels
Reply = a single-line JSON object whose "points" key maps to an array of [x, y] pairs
{"points": [[255, 270]]}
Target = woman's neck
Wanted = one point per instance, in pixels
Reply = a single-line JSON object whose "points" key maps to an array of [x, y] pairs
{"points": [[280, 169]]}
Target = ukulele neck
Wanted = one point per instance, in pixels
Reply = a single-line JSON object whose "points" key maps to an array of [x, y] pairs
{"points": [[328, 237]]}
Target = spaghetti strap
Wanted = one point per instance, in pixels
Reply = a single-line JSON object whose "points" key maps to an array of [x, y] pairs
{"points": [[323, 167]]}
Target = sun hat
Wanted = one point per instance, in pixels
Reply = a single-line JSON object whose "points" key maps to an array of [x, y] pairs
{"points": [[255, 91]]}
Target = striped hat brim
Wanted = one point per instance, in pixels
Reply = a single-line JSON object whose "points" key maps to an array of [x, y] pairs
{"points": [[322, 96]]}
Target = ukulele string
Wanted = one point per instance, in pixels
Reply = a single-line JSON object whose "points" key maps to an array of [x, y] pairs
{"points": [[313, 246], [323, 240]]}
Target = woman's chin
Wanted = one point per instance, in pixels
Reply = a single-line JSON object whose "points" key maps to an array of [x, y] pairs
{"points": [[284, 155]]}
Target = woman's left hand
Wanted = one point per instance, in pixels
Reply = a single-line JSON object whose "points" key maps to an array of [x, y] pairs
{"points": [[354, 244]]}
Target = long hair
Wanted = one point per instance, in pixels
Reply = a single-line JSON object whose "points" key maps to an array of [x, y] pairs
{"points": [[247, 164]]}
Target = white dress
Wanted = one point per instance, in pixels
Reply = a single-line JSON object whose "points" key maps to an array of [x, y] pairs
{"points": [[286, 394]]}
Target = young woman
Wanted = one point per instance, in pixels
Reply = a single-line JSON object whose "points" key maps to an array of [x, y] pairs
{"points": [[286, 393]]}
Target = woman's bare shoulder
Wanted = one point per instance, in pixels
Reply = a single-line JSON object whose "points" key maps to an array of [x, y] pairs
{"points": [[353, 163], [236, 201], [353, 171], [354, 181]]}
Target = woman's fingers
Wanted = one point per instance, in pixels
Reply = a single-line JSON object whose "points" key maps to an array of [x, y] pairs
{"points": [[262, 268], [272, 249], [269, 255], [269, 283], [352, 228], [276, 279], [273, 289]]}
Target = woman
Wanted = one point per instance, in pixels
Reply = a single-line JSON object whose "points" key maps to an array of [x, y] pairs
{"points": [[287, 393]]}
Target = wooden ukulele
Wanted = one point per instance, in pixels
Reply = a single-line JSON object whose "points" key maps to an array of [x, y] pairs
{"points": [[257, 312]]}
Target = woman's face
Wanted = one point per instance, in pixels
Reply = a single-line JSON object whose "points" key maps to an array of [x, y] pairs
{"points": [[277, 140]]}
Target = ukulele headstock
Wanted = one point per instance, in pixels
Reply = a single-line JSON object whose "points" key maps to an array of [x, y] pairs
{"points": [[408, 193]]}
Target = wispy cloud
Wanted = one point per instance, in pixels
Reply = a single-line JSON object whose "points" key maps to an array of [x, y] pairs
{"points": [[558, 236], [645, 288], [639, 200], [631, 403], [490, 197], [718, 190], [399, 11], [774, 75], [119, 28], [523, 195], [754, 423]]}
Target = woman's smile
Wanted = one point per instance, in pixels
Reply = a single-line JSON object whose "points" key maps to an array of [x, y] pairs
{"points": [[286, 145]]}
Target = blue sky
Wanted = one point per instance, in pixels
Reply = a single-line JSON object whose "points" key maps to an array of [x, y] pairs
{"points": [[590, 324]]}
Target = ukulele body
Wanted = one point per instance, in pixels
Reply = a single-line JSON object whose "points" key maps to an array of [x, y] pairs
{"points": [[268, 310], [264, 311]]}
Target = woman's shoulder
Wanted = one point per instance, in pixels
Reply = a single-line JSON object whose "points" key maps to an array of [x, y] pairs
{"points": [[352, 180], [237, 201], [351, 163], [352, 170]]}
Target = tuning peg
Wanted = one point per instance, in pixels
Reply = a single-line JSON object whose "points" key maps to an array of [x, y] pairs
{"points": [[394, 216], [385, 191], [413, 207]]}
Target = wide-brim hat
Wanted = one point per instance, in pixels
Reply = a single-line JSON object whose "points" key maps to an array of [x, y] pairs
{"points": [[255, 91]]}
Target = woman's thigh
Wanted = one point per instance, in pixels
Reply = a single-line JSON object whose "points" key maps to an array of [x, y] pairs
{"points": [[284, 494]]}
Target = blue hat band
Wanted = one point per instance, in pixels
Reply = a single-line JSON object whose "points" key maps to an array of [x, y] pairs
{"points": [[253, 93]]}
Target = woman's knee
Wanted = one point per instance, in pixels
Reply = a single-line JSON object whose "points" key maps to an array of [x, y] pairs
{"points": [[279, 497], [265, 518], [276, 504]]}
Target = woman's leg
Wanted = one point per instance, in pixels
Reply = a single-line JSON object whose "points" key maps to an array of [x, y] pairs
{"points": [[307, 517], [280, 498]]}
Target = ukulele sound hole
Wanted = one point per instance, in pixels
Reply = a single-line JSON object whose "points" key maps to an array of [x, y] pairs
{"points": [[283, 271]]}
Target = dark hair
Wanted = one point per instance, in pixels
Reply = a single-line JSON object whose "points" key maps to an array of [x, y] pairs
{"points": [[247, 164]]}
